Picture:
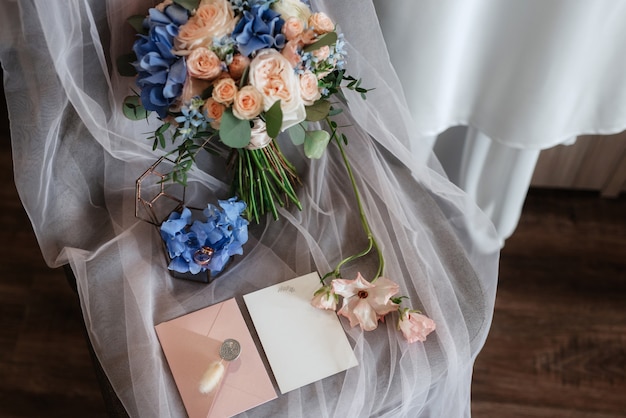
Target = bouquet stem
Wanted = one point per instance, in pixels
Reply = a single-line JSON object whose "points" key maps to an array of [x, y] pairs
{"points": [[264, 179], [372, 243]]}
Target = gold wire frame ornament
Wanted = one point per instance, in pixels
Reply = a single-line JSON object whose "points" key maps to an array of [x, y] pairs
{"points": [[156, 198]]}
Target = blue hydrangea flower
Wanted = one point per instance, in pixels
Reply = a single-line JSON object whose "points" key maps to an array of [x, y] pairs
{"points": [[224, 232], [259, 28], [160, 73]]}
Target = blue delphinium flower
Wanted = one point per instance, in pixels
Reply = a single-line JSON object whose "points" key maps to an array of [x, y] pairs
{"points": [[160, 73], [224, 233], [192, 119], [259, 28]]}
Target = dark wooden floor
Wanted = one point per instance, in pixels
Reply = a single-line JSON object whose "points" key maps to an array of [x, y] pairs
{"points": [[557, 347]]}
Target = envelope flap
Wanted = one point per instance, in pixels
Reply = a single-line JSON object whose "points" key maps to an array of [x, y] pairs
{"points": [[245, 384], [188, 355]]}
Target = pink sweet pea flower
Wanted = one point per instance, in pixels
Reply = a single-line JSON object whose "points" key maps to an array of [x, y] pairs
{"points": [[365, 303], [325, 298], [414, 325]]}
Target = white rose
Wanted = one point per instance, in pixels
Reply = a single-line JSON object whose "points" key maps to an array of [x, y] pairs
{"points": [[292, 8], [273, 76]]}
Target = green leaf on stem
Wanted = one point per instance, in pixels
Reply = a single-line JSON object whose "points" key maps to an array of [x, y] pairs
{"points": [[136, 21], [297, 134], [274, 119], [327, 39], [318, 110], [133, 109], [234, 132], [315, 143], [190, 5], [124, 66]]}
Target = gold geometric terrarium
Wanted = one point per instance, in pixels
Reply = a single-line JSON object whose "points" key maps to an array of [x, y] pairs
{"points": [[156, 197]]}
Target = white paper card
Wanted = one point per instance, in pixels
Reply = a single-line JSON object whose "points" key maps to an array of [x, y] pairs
{"points": [[303, 344]]}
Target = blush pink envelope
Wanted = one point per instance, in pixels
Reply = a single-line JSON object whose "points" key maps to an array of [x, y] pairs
{"points": [[192, 342]]}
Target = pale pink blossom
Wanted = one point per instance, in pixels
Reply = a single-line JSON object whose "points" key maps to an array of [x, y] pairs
{"points": [[325, 298], [415, 326], [366, 303]]}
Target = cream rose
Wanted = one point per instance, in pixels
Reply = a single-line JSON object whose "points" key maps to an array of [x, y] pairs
{"points": [[321, 23], [248, 103], [213, 111], [308, 88], [292, 8], [213, 19], [238, 66], [273, 76], [292, 28], [224, 91], [203, 63]]}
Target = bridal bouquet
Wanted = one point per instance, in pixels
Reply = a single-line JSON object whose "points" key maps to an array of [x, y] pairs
{"points": [[230, 75], [227, 76]]}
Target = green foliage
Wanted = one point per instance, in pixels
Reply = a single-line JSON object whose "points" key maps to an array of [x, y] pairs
{"points": [[327, 39], [159, 136], [297, 133], [190, 5], [318, 110], [315, 143], [133, 109], [234, 132], [124, 66], [136, 21], [274, 119]]}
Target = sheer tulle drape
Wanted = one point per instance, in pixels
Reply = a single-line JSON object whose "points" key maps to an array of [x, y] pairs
{"points": [[76, 161]]}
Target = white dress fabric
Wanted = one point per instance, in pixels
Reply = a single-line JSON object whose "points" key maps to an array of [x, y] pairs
{"points": [[76, 161], [524, 76]]}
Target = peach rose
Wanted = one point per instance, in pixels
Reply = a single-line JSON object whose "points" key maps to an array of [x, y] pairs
{"points": [[273, 75], [308, 88], [238, 66], [321, 23], [213, 111], [291, 54], [322, 53], [213, 19], [203, 63], [248, 103], [224, 91], [292, 28]]}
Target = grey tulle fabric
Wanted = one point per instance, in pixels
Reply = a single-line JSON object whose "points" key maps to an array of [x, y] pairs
{"points": [[76, 161]]}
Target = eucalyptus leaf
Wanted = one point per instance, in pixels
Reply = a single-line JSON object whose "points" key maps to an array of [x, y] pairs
{"points": [[327, 39], [297, 134], [234, 132], [190, 5], [315, 143], [317, 111], [124, 66], [136, 21], [274, 119], [133, 109]]}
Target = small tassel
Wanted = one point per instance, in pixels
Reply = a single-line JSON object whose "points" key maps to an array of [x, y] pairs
{"points": [[211, 378]]}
